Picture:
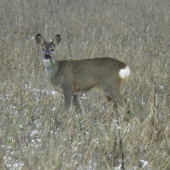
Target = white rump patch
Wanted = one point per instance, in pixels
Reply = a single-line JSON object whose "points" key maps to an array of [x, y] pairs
{"points": [[124, 72]]}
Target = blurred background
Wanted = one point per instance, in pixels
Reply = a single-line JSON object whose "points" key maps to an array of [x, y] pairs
{"points": [[35, 133]]}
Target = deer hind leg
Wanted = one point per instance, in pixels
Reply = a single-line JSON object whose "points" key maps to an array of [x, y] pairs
{"points": [[116, 97], [113, 95], [110, 101]]}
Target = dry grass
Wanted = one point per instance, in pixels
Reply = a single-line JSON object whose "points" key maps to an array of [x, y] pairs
{"points": [[136, 32]]}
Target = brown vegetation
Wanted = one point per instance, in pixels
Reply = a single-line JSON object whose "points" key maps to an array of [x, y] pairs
{"points": [[35, 133]]}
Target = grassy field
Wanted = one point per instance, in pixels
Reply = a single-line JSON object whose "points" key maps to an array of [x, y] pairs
{"points": [[35, 132]]}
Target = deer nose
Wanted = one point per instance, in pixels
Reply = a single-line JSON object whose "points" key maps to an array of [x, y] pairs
{"points": [[47, 57]]}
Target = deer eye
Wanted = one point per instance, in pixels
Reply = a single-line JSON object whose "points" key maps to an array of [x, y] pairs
{"points": [[52, 49], [43, 49]]}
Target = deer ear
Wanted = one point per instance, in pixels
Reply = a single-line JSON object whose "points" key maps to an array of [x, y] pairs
{"points": [[56, 40], [40, 40]]}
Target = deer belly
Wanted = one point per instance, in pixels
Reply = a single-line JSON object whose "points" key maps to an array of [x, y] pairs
{"points": [[86, 89]]}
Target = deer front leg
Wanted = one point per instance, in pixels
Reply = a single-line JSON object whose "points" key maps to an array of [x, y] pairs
{"points": [[68, 95], [77, 103]]}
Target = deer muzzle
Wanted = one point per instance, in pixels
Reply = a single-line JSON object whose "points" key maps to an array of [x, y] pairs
{"points": [[47, 57]]}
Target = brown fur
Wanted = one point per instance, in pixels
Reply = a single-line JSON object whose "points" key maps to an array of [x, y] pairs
{"points": [[81, 76]]}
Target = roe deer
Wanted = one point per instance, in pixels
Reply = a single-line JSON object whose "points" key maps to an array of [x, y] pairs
{"points": [[74, 77]]}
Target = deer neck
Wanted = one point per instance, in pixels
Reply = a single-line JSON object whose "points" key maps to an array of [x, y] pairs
{"points": [[50, 69]]}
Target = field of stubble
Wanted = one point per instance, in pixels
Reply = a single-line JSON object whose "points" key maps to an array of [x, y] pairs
{"points": [[35, 132]]}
